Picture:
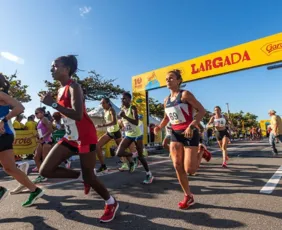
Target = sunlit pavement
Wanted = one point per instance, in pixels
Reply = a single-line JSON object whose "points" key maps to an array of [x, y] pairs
{"points": [[225, 198]]}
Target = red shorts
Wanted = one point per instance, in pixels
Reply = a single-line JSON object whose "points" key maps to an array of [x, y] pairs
{"points": [[76, 147]]}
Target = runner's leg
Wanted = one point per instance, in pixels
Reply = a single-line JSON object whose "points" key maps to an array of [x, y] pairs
{"points": [[101, 142], [87, 161], [50, 167], [7, 160], [177, 156]]}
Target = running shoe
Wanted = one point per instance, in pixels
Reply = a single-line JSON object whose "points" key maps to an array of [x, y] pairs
{"points": [[87, 188], [102, 168], [124, 167], [3, 193], [68, 164], [35, 169], [224, 165], [33, 197], [110, 212], [187, 202], [18, 189], [149, 179], [207, 155], [136, 161], [39, 179], [132, 167], [192, 174], [24, 167]]}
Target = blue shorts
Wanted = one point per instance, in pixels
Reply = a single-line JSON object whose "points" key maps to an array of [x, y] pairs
{"points": [[134, 138]]}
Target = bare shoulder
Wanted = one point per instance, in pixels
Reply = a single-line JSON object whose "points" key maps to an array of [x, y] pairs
{"points": [[74, 85], [187, 94]]}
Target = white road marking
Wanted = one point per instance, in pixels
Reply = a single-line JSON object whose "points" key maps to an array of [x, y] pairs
{"points": [[101, 174], [272, 183]]}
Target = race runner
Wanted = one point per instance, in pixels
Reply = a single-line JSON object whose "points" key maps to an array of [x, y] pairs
{"points": [[113, 131], [7, 157], [131, 148], [129, 115], [44, 130], [81, 136], [184, 145], [220, 122], [167, 138]]}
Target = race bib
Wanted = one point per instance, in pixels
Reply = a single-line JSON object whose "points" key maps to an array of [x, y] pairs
{"points": [[40, 133], [71, 129], [220, 123], [111, 129], [175, 115], [128, 128]]}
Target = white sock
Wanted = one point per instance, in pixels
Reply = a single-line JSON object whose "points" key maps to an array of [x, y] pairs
{"points": [[149, 173], [110, 201], [134, 155]]}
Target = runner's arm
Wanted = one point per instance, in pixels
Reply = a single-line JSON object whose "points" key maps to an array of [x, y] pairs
{"points": [[135, 115], [16, 107], [211, 121], [190, 98], [48, 124], [76, 112], [113, 118], [165, 120]]}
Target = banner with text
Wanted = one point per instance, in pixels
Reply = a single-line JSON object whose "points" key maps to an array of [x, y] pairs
{"points": [[251, 54]]}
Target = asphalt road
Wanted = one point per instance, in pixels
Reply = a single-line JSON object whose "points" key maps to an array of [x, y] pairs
{"points": [[225, 198]]}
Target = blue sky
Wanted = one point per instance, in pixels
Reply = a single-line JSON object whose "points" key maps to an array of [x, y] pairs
{"points": [[123, 38]]}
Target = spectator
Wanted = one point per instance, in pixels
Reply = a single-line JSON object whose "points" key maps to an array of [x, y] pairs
{"points": [[276, 130], [152, 134], [31, 124], [140, 124], [17, 123]]}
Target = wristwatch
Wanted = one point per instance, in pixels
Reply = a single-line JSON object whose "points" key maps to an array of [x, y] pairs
{"points": [[55, 105]]}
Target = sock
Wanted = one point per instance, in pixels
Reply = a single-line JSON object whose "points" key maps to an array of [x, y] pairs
{"points": [[110, 201], [149, 173], [134, 155]]}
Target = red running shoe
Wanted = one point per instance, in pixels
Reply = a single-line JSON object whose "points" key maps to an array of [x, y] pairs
{"points": [[87, 188], [187, 202], [110, 212], [224, 165], [207, 155]]}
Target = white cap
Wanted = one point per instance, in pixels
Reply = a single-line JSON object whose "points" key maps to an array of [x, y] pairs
{"points": [[272, 111]]}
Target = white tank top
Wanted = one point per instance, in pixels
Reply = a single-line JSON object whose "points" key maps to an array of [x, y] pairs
{"points": [[220, 122]]}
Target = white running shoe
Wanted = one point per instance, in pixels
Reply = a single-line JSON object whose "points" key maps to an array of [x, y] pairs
{"points": [[68, 164], [18, 189]]}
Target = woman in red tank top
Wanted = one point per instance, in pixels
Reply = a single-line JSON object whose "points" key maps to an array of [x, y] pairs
{"points": [[80, 135], [184, 145]]}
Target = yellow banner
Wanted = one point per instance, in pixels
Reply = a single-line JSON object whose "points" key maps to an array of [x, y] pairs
{"points": [[25, 142], [252, 54]]}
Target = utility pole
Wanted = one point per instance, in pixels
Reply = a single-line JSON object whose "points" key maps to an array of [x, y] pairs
{"points": [[228, 111]]}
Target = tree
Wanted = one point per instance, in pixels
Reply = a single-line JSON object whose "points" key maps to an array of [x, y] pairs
{"points": [[89, 109], [156, 108], [207, 117], [248, 119], [17, 90], [95, 87]]}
